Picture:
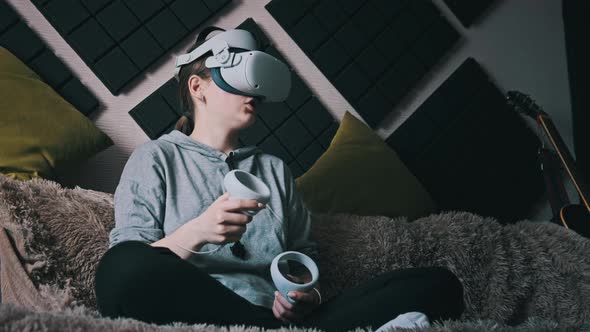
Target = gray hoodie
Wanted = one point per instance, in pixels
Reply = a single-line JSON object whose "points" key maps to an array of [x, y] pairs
{"points": [[171, 180]]}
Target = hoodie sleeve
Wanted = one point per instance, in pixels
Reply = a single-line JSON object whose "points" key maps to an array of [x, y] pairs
{"points": [[298, 219], [139, 199]]}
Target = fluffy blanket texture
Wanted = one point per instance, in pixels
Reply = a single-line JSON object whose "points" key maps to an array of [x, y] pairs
{"points": [[522, 277], [17, 319]]}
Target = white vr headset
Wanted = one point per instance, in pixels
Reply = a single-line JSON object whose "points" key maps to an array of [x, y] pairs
{"points": [[237, 67]]}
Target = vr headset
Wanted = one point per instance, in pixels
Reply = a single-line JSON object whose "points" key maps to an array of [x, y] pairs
{"points": [[237, 67]]}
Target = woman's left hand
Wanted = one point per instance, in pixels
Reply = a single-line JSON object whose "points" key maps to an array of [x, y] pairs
{"points": [[287, 312]]}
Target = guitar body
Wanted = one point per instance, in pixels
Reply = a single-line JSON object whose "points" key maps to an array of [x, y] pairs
{"points": [[577, 218]]}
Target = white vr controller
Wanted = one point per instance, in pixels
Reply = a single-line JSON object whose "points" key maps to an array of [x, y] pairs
{"points": [[283, 284]]}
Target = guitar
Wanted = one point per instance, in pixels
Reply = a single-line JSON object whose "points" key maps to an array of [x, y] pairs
{"points": [[573, 216]]}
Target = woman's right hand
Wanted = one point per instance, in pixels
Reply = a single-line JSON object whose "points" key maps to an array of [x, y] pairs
{"points": [[223, 222]]}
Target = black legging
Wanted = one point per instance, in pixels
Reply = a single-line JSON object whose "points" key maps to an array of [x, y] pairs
{"points": [[153, 284]]}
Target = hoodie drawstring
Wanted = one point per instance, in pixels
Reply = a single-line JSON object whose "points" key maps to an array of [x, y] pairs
{"points": [[237, 249], [230, 161]]}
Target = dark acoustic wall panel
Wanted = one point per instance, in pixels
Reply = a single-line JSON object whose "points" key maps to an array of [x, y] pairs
{"points": [[297, 130], [120, 39], [468, 11], [20, 40], [374, 52], [575, 23], [470, 150], [157, 114]]}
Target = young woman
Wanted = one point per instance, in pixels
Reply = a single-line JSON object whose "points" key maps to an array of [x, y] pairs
{"points": [[165, 263]]}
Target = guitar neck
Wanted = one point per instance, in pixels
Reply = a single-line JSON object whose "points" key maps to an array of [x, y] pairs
{"points": [[565, 156]]}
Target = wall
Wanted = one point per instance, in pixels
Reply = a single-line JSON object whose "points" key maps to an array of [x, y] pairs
{"points": [[519, 43]]}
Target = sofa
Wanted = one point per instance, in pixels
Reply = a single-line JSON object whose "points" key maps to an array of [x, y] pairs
{"points": [[526, 276]]}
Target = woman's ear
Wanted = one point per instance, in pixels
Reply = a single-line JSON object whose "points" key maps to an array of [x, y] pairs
{"points": [[194, 86]]}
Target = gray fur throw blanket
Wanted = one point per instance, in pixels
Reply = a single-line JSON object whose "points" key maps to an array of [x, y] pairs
{"points": [[527, 276]]}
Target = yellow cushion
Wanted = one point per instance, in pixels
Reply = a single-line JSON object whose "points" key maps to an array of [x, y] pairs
{"points": [[360, 174], [40, 132]]}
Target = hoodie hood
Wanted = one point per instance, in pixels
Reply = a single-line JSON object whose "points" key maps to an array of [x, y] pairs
{"points": [[185, 142]]}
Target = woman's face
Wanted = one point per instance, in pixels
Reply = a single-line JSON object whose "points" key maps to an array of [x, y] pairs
{"points": [[227, 109]]}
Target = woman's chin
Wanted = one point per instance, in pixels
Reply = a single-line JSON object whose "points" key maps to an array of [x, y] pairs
{"points": [[250, 119]]}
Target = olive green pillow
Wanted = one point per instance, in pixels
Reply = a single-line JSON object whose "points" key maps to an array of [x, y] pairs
{"points": [[40, 132], [360, 174]]}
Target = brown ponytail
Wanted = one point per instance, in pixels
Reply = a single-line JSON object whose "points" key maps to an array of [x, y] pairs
{"points": [[186, 123]]}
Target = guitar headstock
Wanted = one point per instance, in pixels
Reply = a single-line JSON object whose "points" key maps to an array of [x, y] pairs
{"points": [[523, 103]]}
